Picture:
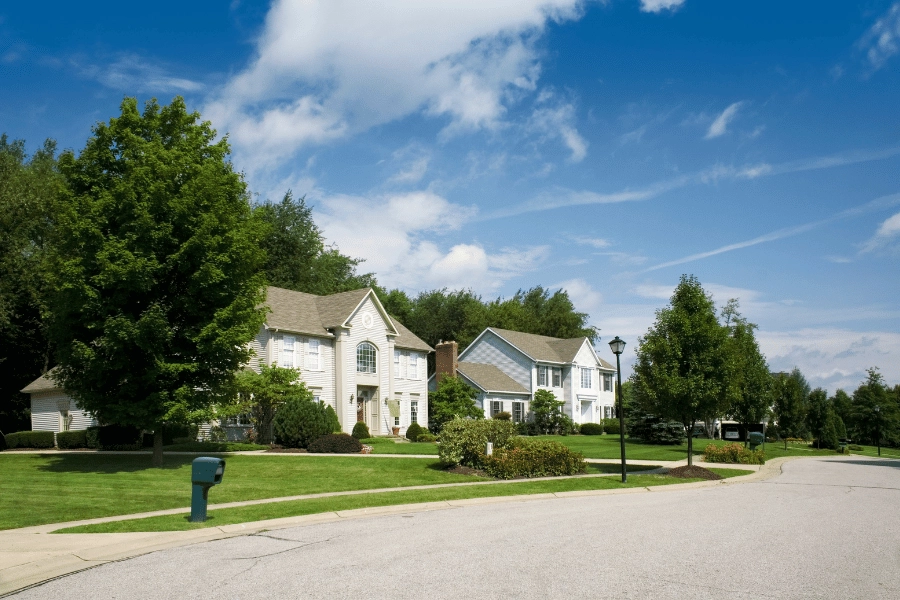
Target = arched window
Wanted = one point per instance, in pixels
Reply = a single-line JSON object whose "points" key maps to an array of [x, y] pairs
{"points": [[365, 358]]}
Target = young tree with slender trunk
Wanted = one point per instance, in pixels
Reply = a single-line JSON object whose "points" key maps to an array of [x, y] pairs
{"points": [[157, 270], [789, 404], [747, 390], [681, 370]]}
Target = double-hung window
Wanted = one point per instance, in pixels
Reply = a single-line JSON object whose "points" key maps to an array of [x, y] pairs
{"points": [[607, 382], [312, 355], [518, 412], [586, 379], [413, 411], [412, 368], [287, 351], [557, 377], [397, 364], [542, 376], [496, 407]]}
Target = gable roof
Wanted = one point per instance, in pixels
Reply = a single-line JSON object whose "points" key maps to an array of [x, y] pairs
{"points": [[489, 378], [300, 312], [545, 348], [44, 383]]}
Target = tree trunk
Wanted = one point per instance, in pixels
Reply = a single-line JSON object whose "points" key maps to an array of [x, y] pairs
{"points": [[157, 447], [691, 446]]}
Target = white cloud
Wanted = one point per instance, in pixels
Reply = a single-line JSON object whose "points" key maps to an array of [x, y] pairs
{"points": [[594, 242], [393, 234], [583, 295], [882, 41], [657, 6], [131, 73], [327, 69], [720, 124], [887, 232]]}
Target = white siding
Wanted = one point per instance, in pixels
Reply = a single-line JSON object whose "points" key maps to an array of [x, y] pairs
{"points": [[491, 349], [45, 414], [379, 424], [258, 346]]}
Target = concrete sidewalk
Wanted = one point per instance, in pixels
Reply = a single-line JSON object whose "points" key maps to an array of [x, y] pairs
{"points": [[32, 555]]}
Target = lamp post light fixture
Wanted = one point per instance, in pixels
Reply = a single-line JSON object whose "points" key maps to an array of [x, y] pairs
{"points": [[618, 347]]}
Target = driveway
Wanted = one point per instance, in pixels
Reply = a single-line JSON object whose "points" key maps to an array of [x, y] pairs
{"points": [[824, 528]]}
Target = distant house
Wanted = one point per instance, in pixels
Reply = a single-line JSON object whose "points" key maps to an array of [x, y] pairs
{"points": [[507, 367], [351, 354]]}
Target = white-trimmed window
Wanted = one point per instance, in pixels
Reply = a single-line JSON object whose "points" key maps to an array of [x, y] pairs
{"points": [[518, 412], [557, 377], [412, 368], [413, 411], [397, 364], [312, 355], [607, 382], [366, 358], [607, 412], [586, 378], [542, 376], [287, 351], [398, 397], [496, 407]]}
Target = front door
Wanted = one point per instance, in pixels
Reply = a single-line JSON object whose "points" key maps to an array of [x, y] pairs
{"points": [[362, 396]]}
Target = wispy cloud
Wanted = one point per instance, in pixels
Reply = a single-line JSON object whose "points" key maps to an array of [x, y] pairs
{"points": [[593, 242], [882, 40], [559, 122], [879, 203], [657, 6], [720, 125], [132, 73], [886, 234]]}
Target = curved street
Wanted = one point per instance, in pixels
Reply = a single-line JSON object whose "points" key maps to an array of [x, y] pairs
{"points": [[823, 528]]}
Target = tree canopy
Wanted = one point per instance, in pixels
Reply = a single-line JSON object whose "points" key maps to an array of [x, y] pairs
{"points": [[747, 389], [157, 269], [789, 404], [453, 398], [681, 371]]}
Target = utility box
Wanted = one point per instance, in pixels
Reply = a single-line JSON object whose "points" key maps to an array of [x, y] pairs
{"points": [[206, 472]]}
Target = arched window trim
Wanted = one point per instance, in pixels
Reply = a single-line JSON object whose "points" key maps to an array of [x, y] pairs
{"points": [[366, 358]]}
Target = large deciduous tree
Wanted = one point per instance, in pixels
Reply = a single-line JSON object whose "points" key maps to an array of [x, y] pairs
{"points": [[157, 271], [681, 370], [876, 414], [790, 393], [747, 389], [29, 193]]}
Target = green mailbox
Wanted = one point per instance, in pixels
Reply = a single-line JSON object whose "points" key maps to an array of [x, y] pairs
{"points": [[756, 439], [205, 473]]}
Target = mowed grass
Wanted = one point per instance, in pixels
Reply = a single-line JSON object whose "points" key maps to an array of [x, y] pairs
{"points": [[52, 488], [389, 446], [277, 510]]}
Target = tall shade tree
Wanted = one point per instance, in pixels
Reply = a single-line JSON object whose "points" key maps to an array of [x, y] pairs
{"points": [[297, 257], [157, 271], [747, 391], [876, 414], [681, 369], [29, 193], [818, 414], [789, 404]]}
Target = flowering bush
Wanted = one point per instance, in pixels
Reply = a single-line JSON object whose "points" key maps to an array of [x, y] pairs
{"points": [[534, 458], [733, 453]]}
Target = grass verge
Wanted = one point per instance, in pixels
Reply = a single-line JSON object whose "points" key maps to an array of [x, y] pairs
{"points": [[389, 446], [277, 510], [213, 447]]}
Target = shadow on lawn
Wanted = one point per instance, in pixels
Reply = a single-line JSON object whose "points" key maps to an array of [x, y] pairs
{"points": [[108, 463]]}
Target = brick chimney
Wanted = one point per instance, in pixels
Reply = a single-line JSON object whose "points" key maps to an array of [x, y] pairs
{"points": [[445, 360]]}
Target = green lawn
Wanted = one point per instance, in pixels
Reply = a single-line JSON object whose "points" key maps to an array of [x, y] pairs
{"points": [[873, 451], [278, 510], [213, 447], [382, 445], [51, 488]]}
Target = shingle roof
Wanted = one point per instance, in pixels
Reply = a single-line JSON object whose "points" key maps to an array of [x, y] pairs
{"points": [[315, 315], [545, 348], [44, 383], [490, 378]]}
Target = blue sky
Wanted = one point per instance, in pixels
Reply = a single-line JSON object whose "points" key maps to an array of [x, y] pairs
{"points": [[603, 147]]}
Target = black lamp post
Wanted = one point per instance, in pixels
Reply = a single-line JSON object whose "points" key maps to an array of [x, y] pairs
{"points": [[618, 347]]}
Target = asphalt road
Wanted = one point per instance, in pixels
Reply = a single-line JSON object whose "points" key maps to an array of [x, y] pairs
{"points": [[821, 529]]}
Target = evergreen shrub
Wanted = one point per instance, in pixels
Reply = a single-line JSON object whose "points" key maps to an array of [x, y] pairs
{"points": [[591, 429], [653, 430], [300, 421], [427, 437], [119, 437], [332, 417], [502, 416], [733, 453], [29, 439], [534, 458], [361, 431], [91, 434], [464, 441], [611, 426], [71, 439], [337, 443], [414, 431]]}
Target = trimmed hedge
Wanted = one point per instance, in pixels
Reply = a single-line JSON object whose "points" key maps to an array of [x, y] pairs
{"points": [[30, 439], [612, 426], [464, 441], [733, 453], [338, 443], [414, 431], [591, 429], [427, 437], [361, 431], [71, 439], [534, 458], [119, 437]]}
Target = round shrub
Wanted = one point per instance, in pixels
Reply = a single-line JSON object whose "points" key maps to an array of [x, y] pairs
{"points": [[71, 439], [611, 426], [427, 437], [336, 443], [299, 422], [591, 429], [534, 458], [414, 431], [464, 441], [502, 416], [361, 431]]}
